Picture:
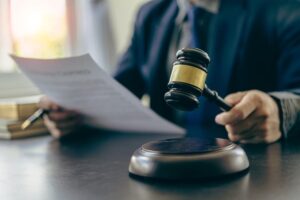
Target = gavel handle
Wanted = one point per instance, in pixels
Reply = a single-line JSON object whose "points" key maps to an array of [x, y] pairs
{"points": [[214, 97]]}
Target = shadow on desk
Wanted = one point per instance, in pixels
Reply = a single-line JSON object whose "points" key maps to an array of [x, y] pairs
{"points": [[236, 185], [204, 181], [94, 165], [89, 140]]}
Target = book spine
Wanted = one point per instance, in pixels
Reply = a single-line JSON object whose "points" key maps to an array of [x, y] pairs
{"points": [[9, 112], [24, 134], [15, 111], [17, 126], [30, 133], [25, 110]]}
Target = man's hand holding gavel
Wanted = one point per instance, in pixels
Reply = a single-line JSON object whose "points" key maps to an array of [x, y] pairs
{"points": [[250, 117], [254, 118]]}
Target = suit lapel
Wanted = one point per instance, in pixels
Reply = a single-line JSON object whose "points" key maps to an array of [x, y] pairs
{"points": [[160, 45], [224, 43], [157, 59]]}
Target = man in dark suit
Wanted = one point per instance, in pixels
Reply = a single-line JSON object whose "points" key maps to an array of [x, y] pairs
{"points": [[254, 47]]}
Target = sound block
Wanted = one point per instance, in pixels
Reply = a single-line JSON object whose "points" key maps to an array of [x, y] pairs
{"points": [[188, 158]]}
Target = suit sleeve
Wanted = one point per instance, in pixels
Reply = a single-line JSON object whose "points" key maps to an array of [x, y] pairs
{"points": [[289, 104], [129, 70], [288, 38]]}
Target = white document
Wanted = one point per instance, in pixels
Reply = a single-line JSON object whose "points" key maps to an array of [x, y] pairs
{"points": [[78, 83]]}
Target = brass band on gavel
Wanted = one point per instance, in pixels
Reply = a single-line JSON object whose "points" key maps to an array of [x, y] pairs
{"points": [[187, 81]]}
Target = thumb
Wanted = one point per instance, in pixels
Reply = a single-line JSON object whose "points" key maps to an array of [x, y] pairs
{"points": [[47, 104], [235, 98]]}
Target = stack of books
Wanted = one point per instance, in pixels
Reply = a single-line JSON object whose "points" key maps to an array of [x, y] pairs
{"points": [[18, 100]]}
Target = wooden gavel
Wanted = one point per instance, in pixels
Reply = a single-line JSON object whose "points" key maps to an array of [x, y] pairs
{"points": [[187, 81]]}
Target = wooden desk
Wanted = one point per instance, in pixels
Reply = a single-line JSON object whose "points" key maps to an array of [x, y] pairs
{"points": [[96, 168]]}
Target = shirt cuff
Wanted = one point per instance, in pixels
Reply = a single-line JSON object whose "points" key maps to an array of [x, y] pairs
{"points": [[289, 108]]}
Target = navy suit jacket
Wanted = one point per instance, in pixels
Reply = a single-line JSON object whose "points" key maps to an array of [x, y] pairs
{"points": [[253, 44]]}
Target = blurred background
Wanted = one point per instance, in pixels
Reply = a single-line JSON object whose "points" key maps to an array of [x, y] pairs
{"points": [[62, 28]]}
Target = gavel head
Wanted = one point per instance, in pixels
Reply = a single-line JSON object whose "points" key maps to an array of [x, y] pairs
{"points": [[187, 80]]}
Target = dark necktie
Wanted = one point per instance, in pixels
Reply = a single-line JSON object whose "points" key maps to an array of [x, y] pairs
{"points": [[199, 21]]}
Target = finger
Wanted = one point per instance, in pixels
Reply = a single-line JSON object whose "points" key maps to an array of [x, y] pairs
{"points": [[47, 104], [58, 130], [239, 112], [67, 128], [52, 127], [245, 135], [240, 128], [235, 98], [69, 125], [261, 138], [57, 116], [254, 140], [261, 134], [247, 128]]}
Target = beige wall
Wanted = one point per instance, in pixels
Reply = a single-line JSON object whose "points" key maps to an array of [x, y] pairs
{"points": [[123, 13]]}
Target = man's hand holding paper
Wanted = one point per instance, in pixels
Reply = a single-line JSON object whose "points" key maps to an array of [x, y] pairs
{"points": [[80, 85], [60, 121]]}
